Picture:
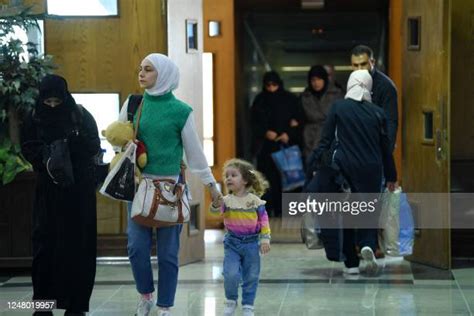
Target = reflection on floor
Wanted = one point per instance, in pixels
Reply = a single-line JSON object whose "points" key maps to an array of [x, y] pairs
{"points": [[294, 281]]}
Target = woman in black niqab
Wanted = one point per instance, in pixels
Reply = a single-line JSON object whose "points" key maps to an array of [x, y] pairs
{"points": [[276, 121], [64, 218]]}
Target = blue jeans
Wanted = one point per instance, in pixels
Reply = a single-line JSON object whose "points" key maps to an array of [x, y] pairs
{"points": [[139, 253], [241, 261]]}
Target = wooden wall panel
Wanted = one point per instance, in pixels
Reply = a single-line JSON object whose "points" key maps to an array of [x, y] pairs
{"points": [[223, 48], [103, 54]]}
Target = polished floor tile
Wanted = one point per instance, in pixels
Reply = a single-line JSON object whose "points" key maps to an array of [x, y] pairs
{"points": [[294, 281]]}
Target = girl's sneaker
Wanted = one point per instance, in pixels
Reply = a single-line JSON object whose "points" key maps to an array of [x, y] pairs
{"points": [[144, 307], [229, 309], [247, 310]]}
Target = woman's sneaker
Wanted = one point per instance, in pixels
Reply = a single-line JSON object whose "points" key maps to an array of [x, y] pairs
{"points": [[144, 307], [371, 266], [164, 312], [351, 271], [229, 309], [247, 310]]}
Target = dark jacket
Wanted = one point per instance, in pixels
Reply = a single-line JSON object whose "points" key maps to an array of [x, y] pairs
{"points": [[315, 113], [384, 94], [274, 111], [363, 148]]}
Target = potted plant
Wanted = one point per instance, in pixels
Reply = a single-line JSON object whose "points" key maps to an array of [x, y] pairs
{"points": [[21, 70]]}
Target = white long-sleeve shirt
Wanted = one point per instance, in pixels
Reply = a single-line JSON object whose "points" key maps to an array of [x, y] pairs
{"points": [[195, 158]]}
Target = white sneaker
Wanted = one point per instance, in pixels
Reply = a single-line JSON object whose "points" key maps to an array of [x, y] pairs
{"points": [[164, 312], [144, 307], [354, 270], [247, 310], [230, 306], [371, 266]]}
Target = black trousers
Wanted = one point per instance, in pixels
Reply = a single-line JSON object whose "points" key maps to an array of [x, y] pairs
{"points": [[357, 237], [64, 244], [273, 196]]}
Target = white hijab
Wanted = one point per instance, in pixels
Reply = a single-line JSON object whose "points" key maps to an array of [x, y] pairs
{"points": [[168, 74], [359, 86]]}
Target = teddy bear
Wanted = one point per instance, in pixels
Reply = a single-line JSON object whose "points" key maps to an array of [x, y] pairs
{"points": [[118, 134]]}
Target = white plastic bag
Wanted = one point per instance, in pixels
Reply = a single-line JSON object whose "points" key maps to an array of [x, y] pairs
{"points": [[396, 220], [310, 231], [120, 182]]}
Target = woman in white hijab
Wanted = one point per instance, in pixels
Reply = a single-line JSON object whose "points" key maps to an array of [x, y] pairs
{"points": [[362, 153], [168, 130]]}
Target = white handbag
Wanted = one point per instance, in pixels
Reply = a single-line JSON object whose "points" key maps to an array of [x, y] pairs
{"points": [[161, 202]]}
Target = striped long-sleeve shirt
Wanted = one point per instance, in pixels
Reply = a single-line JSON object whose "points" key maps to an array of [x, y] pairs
{"points": [[245, 216]]}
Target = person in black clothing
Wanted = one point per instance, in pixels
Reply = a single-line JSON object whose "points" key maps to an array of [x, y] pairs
{"points": [[384, 92], [64, 216], [276, 121], [362, 153]]}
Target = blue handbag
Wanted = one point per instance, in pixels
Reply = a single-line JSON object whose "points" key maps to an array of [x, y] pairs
{"points": [[290, 164]]}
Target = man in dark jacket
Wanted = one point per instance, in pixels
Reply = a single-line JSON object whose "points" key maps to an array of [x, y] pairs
{"points": [[384, 92]]}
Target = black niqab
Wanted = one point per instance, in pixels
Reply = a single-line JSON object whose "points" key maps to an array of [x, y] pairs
{"points": [[56, 122]]}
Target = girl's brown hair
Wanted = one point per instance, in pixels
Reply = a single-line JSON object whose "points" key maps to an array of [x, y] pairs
{"points": [[256, 182]]}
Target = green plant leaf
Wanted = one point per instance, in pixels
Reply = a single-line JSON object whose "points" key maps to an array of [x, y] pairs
{"points": [[19, 82]]}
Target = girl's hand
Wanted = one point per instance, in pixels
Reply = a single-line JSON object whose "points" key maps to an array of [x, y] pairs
{"points": [[218, 202], [216, 196], [264, 248]]}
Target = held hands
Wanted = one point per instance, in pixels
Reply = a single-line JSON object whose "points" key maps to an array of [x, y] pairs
{"points": [[264, 248], [273, 136], [216, 196], [283, 138]]}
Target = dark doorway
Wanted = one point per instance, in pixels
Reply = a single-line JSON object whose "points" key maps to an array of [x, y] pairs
{"points": [[282, 36]]}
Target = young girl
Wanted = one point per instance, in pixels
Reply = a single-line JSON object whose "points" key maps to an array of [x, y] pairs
{"points": [[248, 231]]}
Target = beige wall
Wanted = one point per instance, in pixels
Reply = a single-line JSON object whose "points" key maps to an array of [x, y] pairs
{"points": [[190, 91]]}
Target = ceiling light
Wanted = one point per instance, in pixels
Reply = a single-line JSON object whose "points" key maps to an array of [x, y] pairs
{"points": [[312, 4]]}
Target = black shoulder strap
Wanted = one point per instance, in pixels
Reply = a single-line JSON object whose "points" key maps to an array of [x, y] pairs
{"points": [[133, 103], [76, 117]]}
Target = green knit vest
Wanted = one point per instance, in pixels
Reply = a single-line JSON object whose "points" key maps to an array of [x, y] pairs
{"points": [[162, 120]]}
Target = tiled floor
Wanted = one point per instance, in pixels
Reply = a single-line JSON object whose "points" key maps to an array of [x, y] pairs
{"points": [[294, 281]]}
